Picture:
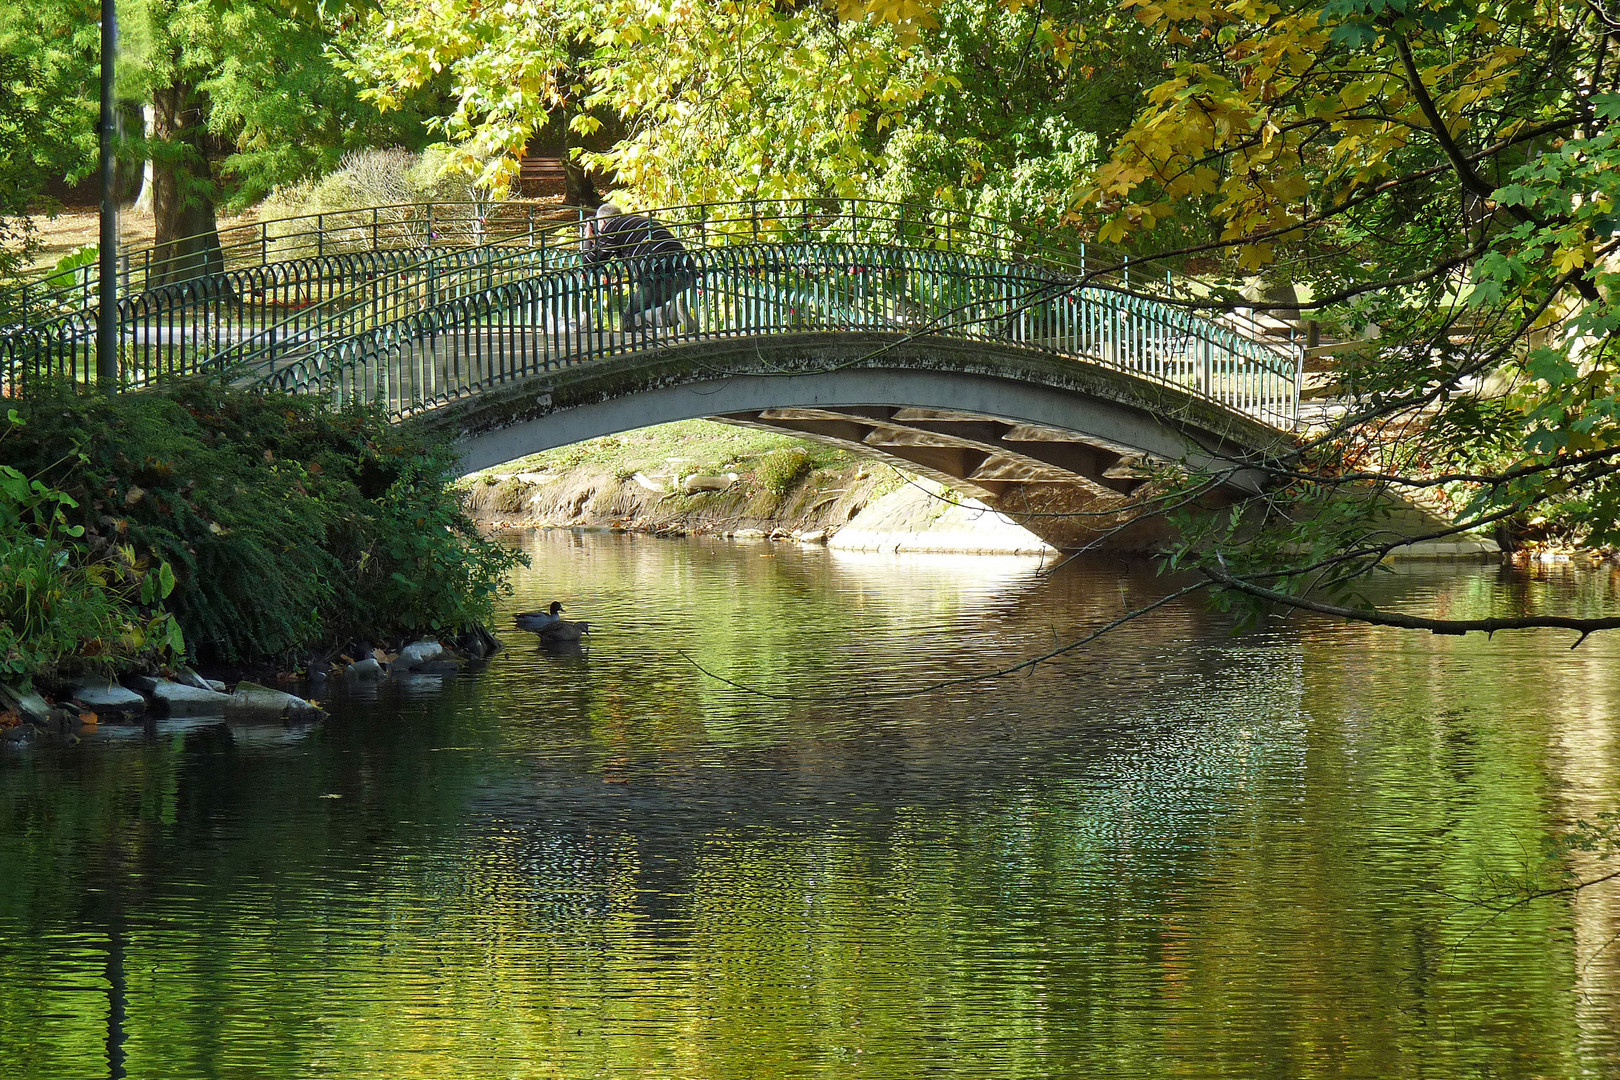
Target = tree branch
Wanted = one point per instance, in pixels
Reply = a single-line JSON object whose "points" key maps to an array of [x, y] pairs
{"points": [[1460, 163], [1584, 627]]}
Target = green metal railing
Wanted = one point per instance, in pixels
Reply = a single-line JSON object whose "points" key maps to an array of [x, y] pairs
{"points": [[416, 324], [407, 226]]}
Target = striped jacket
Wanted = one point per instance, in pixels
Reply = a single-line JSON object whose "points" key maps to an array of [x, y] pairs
{"points": [[641, 239]]}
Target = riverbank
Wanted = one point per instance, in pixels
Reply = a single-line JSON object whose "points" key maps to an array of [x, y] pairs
{"points": [[194, 525], [700, 478], [75, 709]]}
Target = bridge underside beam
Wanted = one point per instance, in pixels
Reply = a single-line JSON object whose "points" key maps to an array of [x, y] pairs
{"points": [[966, 450], [1067, 488]]}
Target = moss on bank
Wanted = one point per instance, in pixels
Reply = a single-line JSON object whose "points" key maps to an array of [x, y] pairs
{"points": [[639, 480]]}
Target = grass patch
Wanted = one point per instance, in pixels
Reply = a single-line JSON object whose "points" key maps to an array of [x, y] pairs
{"points": [[780, 471], [680, 449]]}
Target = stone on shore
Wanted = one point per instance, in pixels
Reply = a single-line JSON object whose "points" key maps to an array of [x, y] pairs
{"points": [[368, 668], [187, 677], [29, 707], [175, 699], [250, 701], [412, 656], [708, 482], [924, 516], [109, 701], [142, 684]]}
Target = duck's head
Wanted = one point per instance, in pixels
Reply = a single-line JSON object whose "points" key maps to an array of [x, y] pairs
{"points": [[556, 606]]}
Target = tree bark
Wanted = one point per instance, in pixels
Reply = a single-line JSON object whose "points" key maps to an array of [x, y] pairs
{"points": [[186, 239], [578, 188]]}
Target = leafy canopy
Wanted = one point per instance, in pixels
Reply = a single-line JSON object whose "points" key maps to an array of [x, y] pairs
{"points": [[991, 103], [1437, 176]]}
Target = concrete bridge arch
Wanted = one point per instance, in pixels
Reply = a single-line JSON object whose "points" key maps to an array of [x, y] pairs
{"points": [[1059, 445]]}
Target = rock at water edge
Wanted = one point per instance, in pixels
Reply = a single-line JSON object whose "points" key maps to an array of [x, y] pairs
{"points": [[699, 482], [368, 668], [180, 700], [419, 652], [142, 684], [109, 700], [250, 701], [30, 706]]}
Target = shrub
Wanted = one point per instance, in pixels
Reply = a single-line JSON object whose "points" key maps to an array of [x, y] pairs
{"points": [[381, 178], [63, 611], [780, 470], [287, 522]]}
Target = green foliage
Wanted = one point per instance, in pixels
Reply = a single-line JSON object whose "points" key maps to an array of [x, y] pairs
{"points": [[286, 523], [64, 611], [780, 470], [63, 274], [263, 85], [246, 95], [987, 103], [45, 95], [1444, 172], [49, 50], [368, 179]]}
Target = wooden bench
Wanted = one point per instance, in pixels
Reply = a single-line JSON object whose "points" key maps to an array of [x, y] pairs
{"points": [[541, 176]]}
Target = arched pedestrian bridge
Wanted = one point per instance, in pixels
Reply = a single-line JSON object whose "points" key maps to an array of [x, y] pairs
{"points": [[1044, 378]]}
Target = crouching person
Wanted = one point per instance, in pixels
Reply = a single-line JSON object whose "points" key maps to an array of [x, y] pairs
{"points": [[660, 268]]}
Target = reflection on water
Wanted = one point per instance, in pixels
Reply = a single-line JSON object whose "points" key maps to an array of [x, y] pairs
{"points": [[1172, 853]]}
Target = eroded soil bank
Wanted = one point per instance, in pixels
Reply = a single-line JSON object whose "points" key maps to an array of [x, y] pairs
{"points": [[701, 478]]}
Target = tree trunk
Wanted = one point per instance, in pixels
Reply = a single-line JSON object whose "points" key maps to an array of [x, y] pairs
{"points": [[578, 189], [187, 231]]}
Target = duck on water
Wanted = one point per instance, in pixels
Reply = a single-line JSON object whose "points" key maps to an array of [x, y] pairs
{"points": [[550, 624]]}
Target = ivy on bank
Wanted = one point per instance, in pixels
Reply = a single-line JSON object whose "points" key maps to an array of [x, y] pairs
{"points": [[287, 523]]}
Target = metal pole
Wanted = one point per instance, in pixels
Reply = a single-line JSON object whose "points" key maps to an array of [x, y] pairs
{"points": [[107, 286]]}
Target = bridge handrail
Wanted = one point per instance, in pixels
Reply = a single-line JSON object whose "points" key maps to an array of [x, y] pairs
{"points": [[419, 222], [1152, 340], [697, 224], [485, 221], [233, 320], [699, 233], [188, 310]]}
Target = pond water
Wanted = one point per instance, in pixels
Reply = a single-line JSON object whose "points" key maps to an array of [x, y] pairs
{"points": [[1174, 852]]}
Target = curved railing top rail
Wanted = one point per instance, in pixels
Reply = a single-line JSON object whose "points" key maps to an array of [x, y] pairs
{"points": [[710, 224], [471, 223], [366, 276], [488, 329]]}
